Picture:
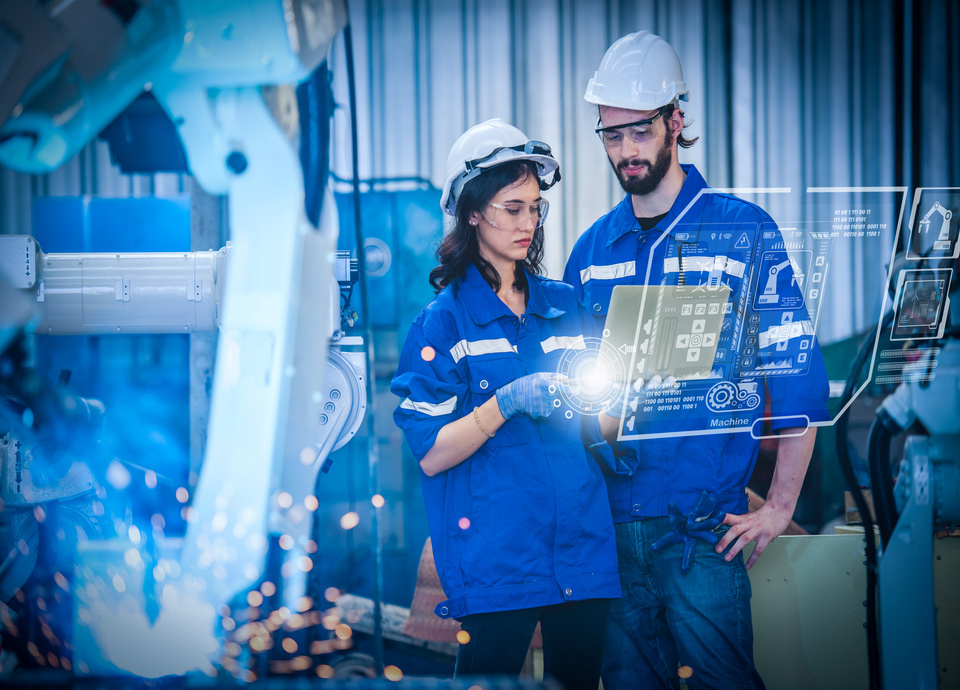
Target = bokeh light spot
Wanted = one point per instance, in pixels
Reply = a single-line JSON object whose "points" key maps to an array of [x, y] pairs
{"points": [[343, 631], [289, 645], [684, 671], [463, 637], [268, 589], [350, 520], [118, 475], [284, 500], [311, 503], [392, 673], [464, 523], [304, 604], [331, 594], [378, 501], [183, 495], [254, 598], [428, 353]]}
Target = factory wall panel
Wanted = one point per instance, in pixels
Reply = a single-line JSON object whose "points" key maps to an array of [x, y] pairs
{"points": [[782, 95]]}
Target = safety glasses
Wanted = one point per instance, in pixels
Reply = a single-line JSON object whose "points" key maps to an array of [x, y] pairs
{"points": [[639, 131], [515, 215]]}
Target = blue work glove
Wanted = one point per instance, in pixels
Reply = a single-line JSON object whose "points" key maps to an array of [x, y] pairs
{"points": [[534, 395], [697, 524]]}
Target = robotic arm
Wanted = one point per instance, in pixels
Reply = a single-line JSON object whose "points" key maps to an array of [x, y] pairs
{"points": [[222, 71]]}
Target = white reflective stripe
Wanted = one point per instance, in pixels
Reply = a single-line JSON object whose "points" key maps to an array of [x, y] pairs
{"points": [[473, 348], [611, 272], [784, 332], [705, 264], [431, 409], [563, 342]]}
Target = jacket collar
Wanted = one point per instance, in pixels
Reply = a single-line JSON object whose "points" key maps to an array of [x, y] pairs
{"points": [[484, 306], [624, 221]]}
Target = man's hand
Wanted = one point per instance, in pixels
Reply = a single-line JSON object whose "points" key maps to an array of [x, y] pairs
{"points": [[768, 523], [763, 526]]}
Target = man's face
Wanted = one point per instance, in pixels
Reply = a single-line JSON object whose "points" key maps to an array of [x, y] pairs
{"points": [[640, 167]]}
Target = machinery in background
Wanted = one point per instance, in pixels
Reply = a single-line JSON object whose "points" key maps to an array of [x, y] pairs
{"points": [[224, 73], [49, 458], [924, 499], [922, 357]]}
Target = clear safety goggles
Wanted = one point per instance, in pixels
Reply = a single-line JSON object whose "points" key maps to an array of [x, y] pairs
{"points": [[531, 148], [515, 215], [639, 132]]}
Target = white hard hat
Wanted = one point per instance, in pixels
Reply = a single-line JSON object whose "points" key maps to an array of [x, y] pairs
{"points": [[488, 144], [640, 71]]}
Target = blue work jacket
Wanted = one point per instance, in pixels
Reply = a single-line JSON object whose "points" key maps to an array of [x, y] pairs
{"points": [[767, 346], [524, 521]]}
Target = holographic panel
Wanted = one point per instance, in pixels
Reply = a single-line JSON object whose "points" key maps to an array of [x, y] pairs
{"points": [[919, 303], [789, 264]]}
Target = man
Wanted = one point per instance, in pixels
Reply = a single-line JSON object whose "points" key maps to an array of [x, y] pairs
{"points": [[685, 610]]}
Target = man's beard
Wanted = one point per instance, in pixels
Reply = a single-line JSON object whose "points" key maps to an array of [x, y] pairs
{"points": [[641, 185]]}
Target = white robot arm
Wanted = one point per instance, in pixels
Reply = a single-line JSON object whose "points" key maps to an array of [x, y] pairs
{"points": [[66, 70]]}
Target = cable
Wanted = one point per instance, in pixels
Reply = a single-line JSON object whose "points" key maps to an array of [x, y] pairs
{"points": [[372, 449], [882, 431], [849, 476]]}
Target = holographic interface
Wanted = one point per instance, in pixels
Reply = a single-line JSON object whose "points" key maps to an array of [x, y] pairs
{"points": [[748, 303]]}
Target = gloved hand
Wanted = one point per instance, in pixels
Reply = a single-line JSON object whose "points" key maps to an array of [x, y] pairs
{"points": [[534, 395], [697, 524], [631, 397]]}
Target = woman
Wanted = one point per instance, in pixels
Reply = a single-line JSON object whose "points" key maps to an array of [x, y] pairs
{"points": [[518, 514]]}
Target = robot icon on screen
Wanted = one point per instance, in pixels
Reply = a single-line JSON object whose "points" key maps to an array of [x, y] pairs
{"points": [[942, 241], [935, 233], [770, 295]]}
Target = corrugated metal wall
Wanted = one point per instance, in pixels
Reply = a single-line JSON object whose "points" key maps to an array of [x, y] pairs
{"points": [[785, 93]]}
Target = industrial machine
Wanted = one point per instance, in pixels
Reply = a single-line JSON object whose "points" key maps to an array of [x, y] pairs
{"points": [[289, 386]]}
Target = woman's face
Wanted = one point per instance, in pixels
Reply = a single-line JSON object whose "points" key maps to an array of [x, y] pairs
{"points": [[505, 227]]}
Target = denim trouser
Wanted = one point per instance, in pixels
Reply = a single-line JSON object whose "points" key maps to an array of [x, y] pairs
{"points": [[572, 635], [667, 618]]}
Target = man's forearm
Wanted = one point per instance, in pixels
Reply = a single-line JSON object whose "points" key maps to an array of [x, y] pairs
{"points": [[793, 458]]}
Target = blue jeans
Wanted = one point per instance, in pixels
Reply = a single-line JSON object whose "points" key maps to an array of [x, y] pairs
{"points": [[572, 635], [667, 618]]}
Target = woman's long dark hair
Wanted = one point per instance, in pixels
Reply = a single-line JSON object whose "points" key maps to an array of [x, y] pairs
{"points": [[460, 248]]}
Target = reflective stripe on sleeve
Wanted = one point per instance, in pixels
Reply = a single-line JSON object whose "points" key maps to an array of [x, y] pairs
{"points": [[473, 348], [563, 342], [431, 409], [610, 272]]}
